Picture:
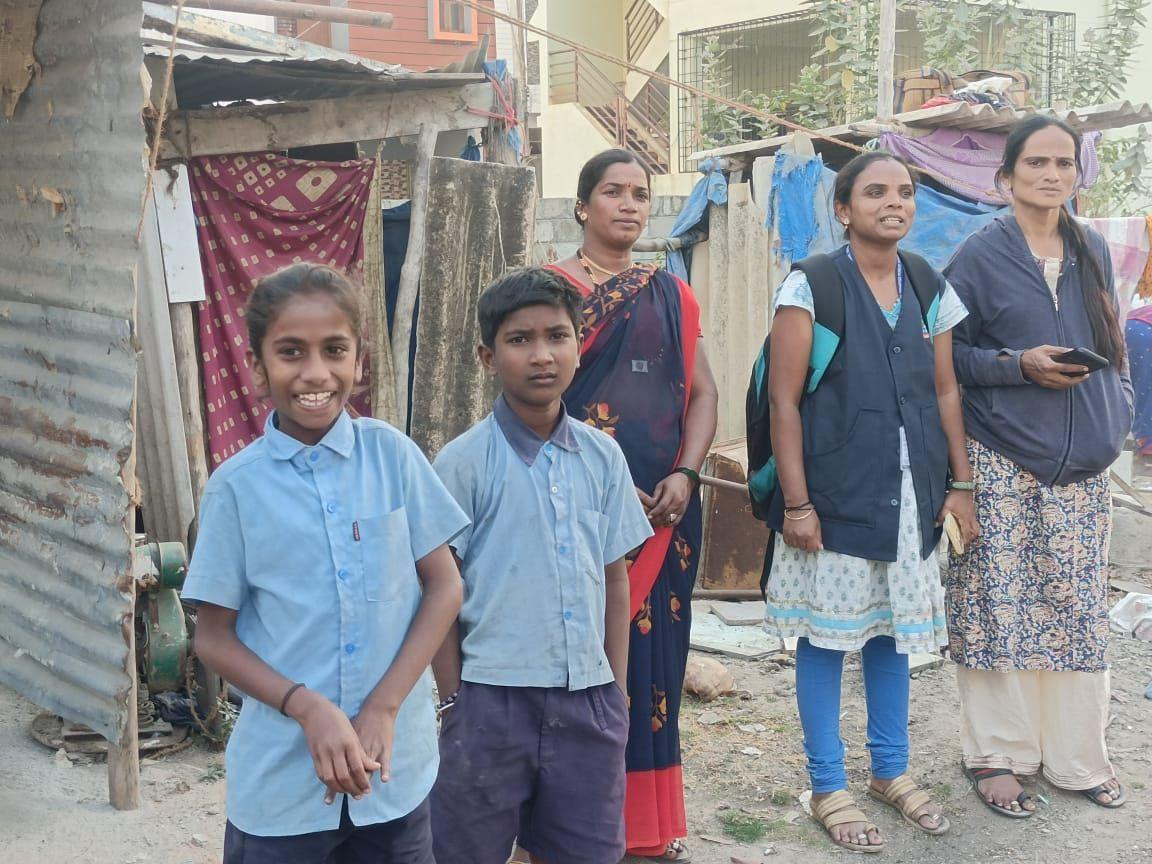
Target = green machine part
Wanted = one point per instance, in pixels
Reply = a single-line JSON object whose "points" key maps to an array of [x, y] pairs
{"points": [[165, 645]]}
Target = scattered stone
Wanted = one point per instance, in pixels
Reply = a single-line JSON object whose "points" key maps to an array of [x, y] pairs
{"points": [[707, 678], [752, 751], [805, 799], [199, 840], [180, 787], [709, 718], [752, 727], [61, 758]]}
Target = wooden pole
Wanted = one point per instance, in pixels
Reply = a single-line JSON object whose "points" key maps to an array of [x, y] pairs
{"points": [[285, 9], [383, 385], [885, 69], [191, 403], [410, 272]]}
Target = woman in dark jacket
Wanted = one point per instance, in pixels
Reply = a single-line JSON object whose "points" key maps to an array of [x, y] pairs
{"points": [[1027, 603]]}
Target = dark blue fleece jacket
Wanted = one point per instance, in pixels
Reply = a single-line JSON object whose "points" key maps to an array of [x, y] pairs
{"points": [[1061, 436]]}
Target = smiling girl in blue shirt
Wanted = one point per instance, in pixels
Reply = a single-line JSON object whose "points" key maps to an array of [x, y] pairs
{"points": [[325, 585]]}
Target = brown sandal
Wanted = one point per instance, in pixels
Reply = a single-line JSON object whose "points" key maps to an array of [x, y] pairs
{"points": [[839, 809], [902, 795]]}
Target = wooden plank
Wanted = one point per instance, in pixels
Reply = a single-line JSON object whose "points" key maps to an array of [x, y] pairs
{"points": [[300, 11], [218, 33], [177, 223], [189, 381], [481, 222], [373, 117], [383, 382], [885, 68], [409, 287]]}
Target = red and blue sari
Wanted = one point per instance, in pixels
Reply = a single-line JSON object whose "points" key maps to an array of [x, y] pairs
{"points": [[640, 331]]}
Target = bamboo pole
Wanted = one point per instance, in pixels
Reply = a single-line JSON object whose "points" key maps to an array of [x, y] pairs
{"points": [[285, 9], [409, 287]]}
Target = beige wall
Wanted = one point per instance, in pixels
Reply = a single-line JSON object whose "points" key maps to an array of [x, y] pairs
{"points": [[568, 140]]}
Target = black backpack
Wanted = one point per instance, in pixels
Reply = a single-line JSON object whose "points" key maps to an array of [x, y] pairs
{"points": [[827, 334]]}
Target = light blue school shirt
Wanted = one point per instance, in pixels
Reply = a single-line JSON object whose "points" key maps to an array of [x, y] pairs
{"points": [[317, 549], [546, 516]]}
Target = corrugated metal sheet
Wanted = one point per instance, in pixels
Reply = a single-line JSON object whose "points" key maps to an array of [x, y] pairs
{"points": [[71, 185], [205, 76], [957, 115]]}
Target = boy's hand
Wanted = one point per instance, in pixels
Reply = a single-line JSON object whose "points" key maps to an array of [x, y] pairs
{"points": [[376, 727], [337, 754]]}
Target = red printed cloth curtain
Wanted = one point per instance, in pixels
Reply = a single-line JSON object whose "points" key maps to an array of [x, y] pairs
{"points": [[256, 213]]}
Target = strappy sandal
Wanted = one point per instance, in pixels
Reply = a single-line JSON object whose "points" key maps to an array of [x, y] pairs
{"points": [[906, 798], [839, 809], [676, 851], [1119, 797], [975, 775]]}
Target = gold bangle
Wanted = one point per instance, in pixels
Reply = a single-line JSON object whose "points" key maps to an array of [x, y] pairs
{"points": [[807, 512]]}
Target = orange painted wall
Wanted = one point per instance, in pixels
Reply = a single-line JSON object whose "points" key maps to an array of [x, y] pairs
{"points": [[407, 41]]}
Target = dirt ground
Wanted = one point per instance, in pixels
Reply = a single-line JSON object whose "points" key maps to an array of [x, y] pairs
{"points": [[741, 781]]}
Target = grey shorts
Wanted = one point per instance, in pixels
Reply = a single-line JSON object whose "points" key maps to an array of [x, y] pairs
{"points": [[544, 765]]}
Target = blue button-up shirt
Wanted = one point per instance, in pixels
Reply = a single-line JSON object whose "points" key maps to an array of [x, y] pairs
{"points": [[547, 517], [317, 549]]}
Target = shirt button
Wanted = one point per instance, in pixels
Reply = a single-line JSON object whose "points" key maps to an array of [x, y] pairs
{"points": [[555, 490], [342, 575], [562, 549], [313, 456], [350, 648], [331, 508], [567, 616], [548, 449], [903, 399], [894, 502], [897, 349]]}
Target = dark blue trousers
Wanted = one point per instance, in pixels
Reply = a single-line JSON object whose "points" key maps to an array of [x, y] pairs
{"points": [[407, 840]]}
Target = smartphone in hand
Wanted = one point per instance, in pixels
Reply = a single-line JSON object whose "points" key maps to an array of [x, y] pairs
{"points": [[1082, 357]]}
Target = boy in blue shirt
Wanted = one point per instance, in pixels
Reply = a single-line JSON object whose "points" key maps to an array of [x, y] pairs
{"points": [[324, 587], [533, 733]]}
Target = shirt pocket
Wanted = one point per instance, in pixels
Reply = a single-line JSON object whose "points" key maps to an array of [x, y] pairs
{"points": [[386, 556], [590, 543]]}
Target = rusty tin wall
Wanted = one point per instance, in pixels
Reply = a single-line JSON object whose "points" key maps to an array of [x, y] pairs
{"points": [[72, 177]]}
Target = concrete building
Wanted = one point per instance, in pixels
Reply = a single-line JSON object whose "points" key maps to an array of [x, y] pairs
{"points": [[586, 104]]}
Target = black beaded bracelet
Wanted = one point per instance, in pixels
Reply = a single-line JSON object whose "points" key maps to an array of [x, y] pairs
{"points": [[287, 696]]}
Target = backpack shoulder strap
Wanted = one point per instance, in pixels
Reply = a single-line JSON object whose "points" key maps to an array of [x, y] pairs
{"points": [[927, 283], [828, 310]]}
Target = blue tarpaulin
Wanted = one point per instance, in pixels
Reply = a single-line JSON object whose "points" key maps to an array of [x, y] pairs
{"points": [[711, 188]]}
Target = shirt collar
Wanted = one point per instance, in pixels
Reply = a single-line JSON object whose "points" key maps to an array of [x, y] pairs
{"points": [[341, 438], [524, 441]]}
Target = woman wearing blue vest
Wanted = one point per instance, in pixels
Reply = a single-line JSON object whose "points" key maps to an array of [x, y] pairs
{"points": [[1028, 603], [863, 464]]}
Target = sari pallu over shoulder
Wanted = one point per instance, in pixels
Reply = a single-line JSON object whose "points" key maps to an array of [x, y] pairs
{"points": [[639, 333]]}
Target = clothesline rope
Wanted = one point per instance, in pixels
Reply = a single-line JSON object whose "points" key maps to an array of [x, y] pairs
{"points": [[690, 88], [161, 116]]}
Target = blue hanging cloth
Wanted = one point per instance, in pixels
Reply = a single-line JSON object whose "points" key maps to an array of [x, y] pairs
{"points": [[711, 188], [471, 150]]}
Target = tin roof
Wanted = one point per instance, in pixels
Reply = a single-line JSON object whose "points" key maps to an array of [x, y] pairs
{"points": [[204, 76], [955, 115]]}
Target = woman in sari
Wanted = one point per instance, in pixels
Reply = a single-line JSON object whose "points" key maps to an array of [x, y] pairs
{"points": [[645, 380]]}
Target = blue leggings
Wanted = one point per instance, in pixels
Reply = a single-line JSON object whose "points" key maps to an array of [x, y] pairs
{"points": [[818, 673]]}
